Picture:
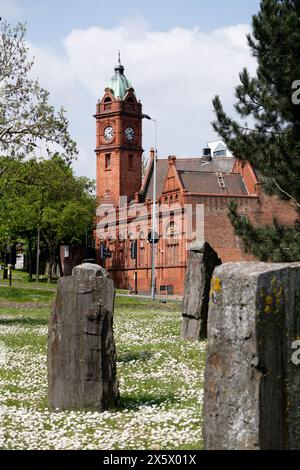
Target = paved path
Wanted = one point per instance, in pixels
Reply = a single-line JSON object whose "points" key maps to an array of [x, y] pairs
{"points": [[148, 297]]}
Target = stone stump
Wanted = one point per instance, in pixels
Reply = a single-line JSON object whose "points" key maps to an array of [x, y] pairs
{"points": [[201, 264], [81, 348], [252, 384]]}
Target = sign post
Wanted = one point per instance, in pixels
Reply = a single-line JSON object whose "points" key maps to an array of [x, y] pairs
{"points": [[134, 255]]}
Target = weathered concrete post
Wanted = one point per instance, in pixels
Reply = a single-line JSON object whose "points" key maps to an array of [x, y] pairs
{"points": [[81, 348], [202, 262], [252, 385]]}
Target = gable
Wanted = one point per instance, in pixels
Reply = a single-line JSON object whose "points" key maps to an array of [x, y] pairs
{"points": [[172, 181]]}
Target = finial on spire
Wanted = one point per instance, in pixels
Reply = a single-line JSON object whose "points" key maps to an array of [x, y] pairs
{"points": [[119, 68]]}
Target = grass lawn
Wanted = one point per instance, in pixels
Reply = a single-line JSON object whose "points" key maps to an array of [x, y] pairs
{"points": [[161, 380], [20, 279]]}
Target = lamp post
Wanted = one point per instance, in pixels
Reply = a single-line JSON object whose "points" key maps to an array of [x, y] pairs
{"points": [[153, 274]]}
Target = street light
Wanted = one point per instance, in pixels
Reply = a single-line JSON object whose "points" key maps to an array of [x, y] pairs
{"points": [[145, 116]]}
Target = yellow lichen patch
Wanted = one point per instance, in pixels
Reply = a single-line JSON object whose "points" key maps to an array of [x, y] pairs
{"points": [[269, 300], [279, 292], [274, 281], [273, 300], [216, 285], [278, 295]]}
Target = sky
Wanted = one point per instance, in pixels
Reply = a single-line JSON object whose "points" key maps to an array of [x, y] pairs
{"points": [[177, 54]]}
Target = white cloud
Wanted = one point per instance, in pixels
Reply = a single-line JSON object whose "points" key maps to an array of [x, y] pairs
{"points": [[175, 74], [9, 9]]}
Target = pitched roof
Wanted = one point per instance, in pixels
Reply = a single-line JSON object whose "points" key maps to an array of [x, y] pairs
{"points": [[197, 176], [161, 172], [209, 183], [223, 164], [220, 146]]}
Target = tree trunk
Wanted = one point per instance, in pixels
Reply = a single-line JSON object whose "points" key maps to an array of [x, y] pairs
{"points": [[51, 256], [61, 273], [30, 261]]}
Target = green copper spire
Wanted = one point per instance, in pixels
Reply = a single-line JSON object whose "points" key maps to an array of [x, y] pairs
{"points": [[119, 84]]}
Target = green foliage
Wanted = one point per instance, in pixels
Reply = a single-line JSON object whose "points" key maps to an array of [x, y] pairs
{"points": [[268, 133], [27, 120], [45, 194]]}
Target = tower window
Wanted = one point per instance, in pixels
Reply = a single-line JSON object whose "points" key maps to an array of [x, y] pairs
{"points": [[130, 161], [107, 161], [107, 103], [130, 102]]}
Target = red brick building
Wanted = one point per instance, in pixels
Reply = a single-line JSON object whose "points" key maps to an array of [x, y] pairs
{"points": [[190, 192]]}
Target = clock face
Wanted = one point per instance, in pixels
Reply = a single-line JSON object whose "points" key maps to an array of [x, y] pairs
{"points": [[109, 133], [129, 133]]}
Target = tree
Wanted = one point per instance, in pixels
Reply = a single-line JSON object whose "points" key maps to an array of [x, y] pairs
{"points": [[68, 210], [271, 140], [27, 120], [45, 194], [19, 207]]}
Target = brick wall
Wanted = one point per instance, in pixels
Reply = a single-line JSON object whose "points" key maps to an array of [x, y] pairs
{"points": [[260, 211]]}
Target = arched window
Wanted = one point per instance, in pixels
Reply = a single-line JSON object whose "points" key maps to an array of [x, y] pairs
{"points": [[172, 229], [130, 102], [141, 255], [172, 244], [107, 103]]}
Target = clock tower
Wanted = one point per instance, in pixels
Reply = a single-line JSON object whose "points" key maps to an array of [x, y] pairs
{"points": [[118, 140]]}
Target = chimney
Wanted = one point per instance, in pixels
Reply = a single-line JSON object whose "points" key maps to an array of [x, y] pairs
{"points": [[152, 153], [206, 155]]}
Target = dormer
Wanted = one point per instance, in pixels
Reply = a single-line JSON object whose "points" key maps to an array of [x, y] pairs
{"points": [[107, 99], [130, 103]]}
